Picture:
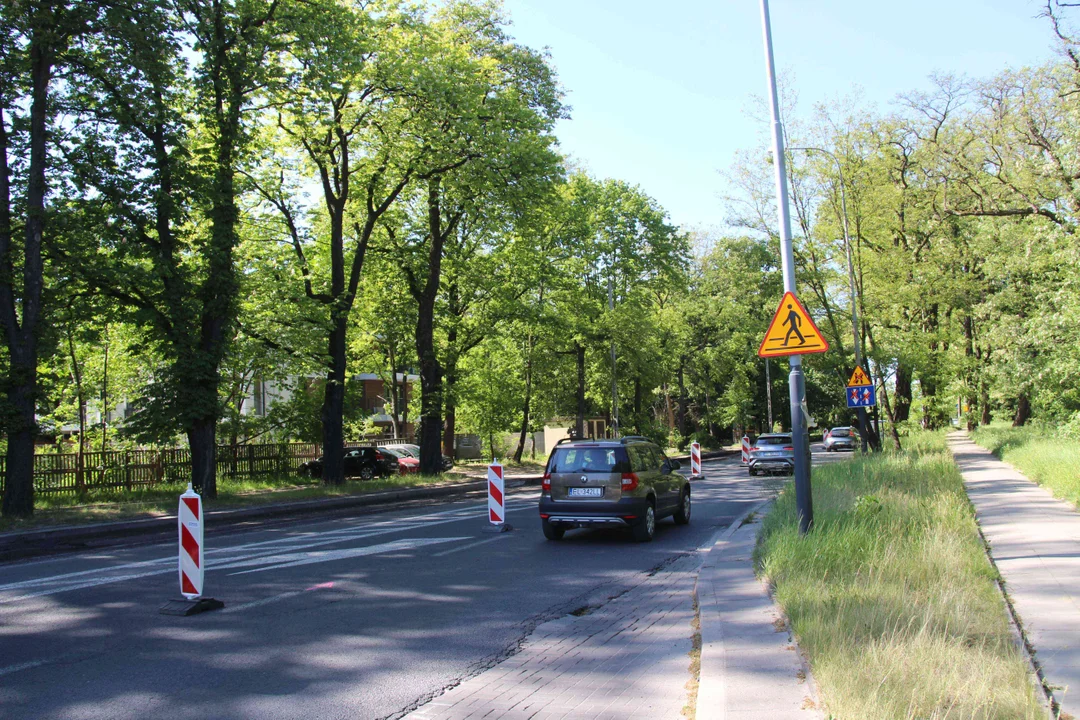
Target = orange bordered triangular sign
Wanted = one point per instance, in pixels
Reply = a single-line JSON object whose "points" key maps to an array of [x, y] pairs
{"points": [[859, 378], [792, 332]]}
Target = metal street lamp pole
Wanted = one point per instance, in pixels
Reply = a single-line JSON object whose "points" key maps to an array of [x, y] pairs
{"points": [[863, 428], [796, 380]]}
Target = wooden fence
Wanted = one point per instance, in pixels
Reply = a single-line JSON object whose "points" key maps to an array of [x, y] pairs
{"points": [[124, 470]]}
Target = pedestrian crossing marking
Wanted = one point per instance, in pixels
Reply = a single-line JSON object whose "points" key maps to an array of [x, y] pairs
{"points": [[792, 331]]}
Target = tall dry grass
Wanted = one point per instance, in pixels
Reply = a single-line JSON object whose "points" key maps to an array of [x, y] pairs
{"points": [[891, 594]]}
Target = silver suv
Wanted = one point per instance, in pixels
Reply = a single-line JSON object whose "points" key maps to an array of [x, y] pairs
{"points": [[612, 483]]}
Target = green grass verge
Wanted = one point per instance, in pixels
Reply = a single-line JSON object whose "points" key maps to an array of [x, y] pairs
{"points": [[1037, 452], [99, 506], [891, 595]]}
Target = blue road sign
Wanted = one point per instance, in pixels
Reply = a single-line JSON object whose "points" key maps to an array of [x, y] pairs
{"points": [[861, 396]]}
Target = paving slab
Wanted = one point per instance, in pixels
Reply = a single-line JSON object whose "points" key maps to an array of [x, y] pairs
{"points": [[1034, 539]]}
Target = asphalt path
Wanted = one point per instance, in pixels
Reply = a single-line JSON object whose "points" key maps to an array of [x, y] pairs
{"points": [[351, 617]]}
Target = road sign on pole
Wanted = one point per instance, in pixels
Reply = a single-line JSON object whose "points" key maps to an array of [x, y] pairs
{"points": [[860, 390], [792, 331]]}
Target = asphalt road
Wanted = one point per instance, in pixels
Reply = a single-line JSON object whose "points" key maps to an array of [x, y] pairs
{"points": [[365, 617]]}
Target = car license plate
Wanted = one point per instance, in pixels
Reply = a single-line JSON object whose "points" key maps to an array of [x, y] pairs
{"points": [[585, 492]]}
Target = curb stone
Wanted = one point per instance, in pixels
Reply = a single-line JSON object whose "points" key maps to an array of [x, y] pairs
{"points": [[780, 692]]}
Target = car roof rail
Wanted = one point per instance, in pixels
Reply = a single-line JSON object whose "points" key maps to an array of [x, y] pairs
{"points": [[566, 440], [634, 437]]}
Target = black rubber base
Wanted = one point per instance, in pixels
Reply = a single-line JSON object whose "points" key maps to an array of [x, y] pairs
{"points": [[505, 527], [184, 608]]}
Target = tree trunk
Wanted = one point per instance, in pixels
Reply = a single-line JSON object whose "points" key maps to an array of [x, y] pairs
{"points": [[681, 417], [449, 400], [579, 423], [984, 402], [21, 338], [528, 399], [333, 409], [80, 394], [902, 392], [431, 372], [105, 395], [637, 404], [1023, 411], [202, 440]]}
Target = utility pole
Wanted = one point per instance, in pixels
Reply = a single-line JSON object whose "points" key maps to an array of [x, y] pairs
{"points": [[804, 502], [614, 380], [864, 431]]}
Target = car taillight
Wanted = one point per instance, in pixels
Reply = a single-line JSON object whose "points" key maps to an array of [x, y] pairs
{"points": [[379, 455], [545, 484], [629, 482], [789, 448]]}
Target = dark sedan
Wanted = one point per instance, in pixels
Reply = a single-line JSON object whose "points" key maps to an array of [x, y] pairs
{"points": [[364, 463]]}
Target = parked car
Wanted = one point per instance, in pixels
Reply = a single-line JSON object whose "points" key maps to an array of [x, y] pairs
{"points": [[406, 463], [364, 463], [840, 438], [612, 483], [413, 451], [771, 454]]}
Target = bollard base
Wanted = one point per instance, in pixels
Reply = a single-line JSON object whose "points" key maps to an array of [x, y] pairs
{"points": [[185, 607], [504, 527]]}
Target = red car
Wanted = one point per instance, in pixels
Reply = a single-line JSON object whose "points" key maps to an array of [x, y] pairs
{"points": [[406, 464]]}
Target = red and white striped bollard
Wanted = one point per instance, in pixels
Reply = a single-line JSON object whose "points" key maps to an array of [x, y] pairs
{"points": [[695, 460], [745, 450], [192, 565], [496, 499], [190, 526]]}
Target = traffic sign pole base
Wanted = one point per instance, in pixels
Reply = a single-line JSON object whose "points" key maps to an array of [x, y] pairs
{"points": [[185, 607], [504, 527]]}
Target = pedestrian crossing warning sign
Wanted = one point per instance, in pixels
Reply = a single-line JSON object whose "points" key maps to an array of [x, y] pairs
{"points": [[859, 378], [792, 332]]}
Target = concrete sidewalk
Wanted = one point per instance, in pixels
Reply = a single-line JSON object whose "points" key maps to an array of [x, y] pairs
{"points": [[1035, 542], [750, 667]]}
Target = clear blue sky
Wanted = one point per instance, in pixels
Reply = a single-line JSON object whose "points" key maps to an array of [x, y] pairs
{"points": [[659, 90]]}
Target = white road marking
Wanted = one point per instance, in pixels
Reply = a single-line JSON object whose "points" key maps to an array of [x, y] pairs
{"points": [[469, 546], [226, 557], [22, 666], [288, 560]]}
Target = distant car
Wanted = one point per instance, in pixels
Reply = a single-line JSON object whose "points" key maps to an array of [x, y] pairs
{"points": [[364, 463], [413, 451], [773, 454], [840, 438], [408, 464]]}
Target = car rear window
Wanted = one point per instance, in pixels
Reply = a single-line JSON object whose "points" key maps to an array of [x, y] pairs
{"points": [[774, 440], [841, 432], [589, 459]]}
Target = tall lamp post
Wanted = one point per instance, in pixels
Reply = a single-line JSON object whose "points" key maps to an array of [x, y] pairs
{"points": [[863, 428], [804, 503]]}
